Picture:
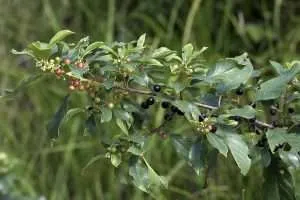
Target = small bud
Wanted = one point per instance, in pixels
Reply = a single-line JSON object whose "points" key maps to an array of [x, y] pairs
{"points": [[111, 105]]}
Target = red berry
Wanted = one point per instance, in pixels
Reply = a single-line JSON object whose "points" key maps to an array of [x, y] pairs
{"points": [[67, 61], [80, 65]]}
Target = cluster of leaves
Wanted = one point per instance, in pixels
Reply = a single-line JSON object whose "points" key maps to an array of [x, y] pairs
{"points": [[230, 106]]}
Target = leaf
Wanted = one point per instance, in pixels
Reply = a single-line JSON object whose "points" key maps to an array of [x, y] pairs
{"points": [[60, 36], [279, 136], [239, 151], [122, 125], [278, 184], [92, 47], [218, 142], [191, 111], [135, 150], [40, 50], [106, 114], [141, 41], [154, 177], [92, 161], [278, 67], [70, 114], [187, 52], [246, 112], [53, 125], [274, 87], [24, 52], [161, 52], [197, 155], [181, 146], [91, 125], [139, 174], [116, 159]]}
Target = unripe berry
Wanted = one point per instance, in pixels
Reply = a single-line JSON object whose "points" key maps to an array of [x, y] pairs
{"points": [[71, 87], [80, 65], [111, 105]]}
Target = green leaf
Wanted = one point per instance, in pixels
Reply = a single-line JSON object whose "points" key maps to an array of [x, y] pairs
{"points": [[278, 183], [154, 177], [246, 112], [60, 36], [141, 41], [92, 47], [53, 125], [122, 125], [69, 115], [274, 87], [239, 151], [24, 52], [161, 52], [187, 52], [191, 111], [40, 50], [181, 146], [106, 114], [116, 159], [278, 67], [139, 174], [135, 150], [279, 136], [197, 155], [218, 142], [91, 125]]}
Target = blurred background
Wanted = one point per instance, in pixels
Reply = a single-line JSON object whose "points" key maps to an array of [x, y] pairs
{"points": [[266, 29]]}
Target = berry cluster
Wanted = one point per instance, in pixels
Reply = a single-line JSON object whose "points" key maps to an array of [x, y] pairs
{"points": [[77, 84]]}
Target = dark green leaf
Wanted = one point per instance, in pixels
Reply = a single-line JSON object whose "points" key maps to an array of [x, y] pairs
{"points": [[53, 125], [91, 48], [197, 155], [246, 112], [278, 183], [106, 114], [91, 125]]}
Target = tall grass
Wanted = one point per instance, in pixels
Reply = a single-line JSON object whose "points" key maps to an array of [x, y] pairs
{"points": [[55, 169]]}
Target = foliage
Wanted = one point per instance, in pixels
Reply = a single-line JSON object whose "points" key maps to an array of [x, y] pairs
{"points": [[230, 105]]}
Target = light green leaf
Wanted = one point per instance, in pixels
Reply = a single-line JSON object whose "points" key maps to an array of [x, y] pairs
{"points": [[40, 50], [154, 177], [141, 41], [92, 47], [246, 112], [278, 67], [135, 150], [116, 159], [60, 36], [106, 114], [274, 87], [239, 151], [279, 136], [218, 142], [187, 52], [122, 125], [161, 52]]}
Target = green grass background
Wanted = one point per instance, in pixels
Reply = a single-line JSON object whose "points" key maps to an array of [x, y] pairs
{"points": [[267, 30]]}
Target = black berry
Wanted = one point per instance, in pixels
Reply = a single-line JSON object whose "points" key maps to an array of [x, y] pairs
{"points": [[213, 129], [202, 117], [174, 109], [273, 111], [252, 120], [287, 147], [165, 104], [145, 105], [239, 91], [150, 101], [179, 112], [253, 105], [156, 88], [291, 110], [168, 116]]}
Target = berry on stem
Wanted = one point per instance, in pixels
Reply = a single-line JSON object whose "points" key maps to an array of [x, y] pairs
{"points": [[156, 88], [145, 105], [212, 129], [165, 104], [174, 109], [201, 117], [291, 110], [168, 116], [239, 91], [273, 111], [67, 61], [150, 101]]}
